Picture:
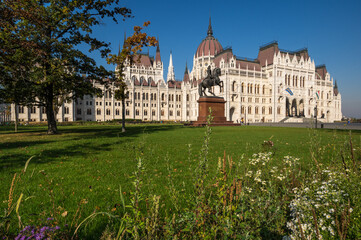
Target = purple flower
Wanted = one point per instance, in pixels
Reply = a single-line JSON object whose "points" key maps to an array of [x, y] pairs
{"points": [[57, 228], [50, 219]]}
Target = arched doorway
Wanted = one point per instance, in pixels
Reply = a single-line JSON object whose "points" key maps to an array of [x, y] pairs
{"points": [[288, 114], [301, 108], [231, 112], [294, 108]]}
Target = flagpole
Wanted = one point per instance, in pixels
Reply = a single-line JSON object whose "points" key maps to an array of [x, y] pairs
{"points": [[316, 115]]}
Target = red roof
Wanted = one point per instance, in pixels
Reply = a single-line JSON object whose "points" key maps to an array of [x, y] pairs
{"points": [[153, 84], [322, 71], [209, 46], [267, 52], [144, 60]]}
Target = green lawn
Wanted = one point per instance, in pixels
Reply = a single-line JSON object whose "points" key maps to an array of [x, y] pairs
{"points": [[91, 161]]}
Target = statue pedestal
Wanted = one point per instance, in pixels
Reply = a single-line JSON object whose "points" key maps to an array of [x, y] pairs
{"points": [[217, 106]]}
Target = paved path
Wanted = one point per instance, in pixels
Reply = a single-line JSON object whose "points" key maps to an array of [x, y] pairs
{"points": [[351, 126]]}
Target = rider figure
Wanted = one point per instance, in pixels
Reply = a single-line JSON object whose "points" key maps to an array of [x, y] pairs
{"points": [[209, 74]]}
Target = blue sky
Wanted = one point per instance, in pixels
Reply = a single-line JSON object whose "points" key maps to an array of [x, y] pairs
{"points": [[331, 30]]}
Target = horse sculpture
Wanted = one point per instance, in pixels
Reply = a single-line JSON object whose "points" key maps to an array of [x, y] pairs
{"points": [[211, 80]]}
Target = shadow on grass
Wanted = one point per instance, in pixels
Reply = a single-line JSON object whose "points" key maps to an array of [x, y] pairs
{"points": [[66, 148], [13, 161]]}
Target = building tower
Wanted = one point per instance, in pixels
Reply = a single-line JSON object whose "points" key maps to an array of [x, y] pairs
{"points": [[170, 75]]}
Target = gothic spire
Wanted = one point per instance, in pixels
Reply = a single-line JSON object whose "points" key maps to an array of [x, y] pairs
{"points": [[157, 54], [186, 71], [170, 75], [210, 31], [186, 75]]}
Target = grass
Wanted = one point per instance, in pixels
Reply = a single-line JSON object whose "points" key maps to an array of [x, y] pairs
{"points": [[88, 163]]}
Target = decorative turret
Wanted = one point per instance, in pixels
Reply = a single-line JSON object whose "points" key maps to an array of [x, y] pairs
{"points": [[186, 74], [157, 55], [170, 75], [125, 44], [335, 89]]}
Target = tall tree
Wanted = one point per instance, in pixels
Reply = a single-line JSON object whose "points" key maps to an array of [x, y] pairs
{"points": [[131, 47], [50, 31]]}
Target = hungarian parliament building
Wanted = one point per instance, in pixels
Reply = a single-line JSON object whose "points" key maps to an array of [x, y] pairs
{"points": [[278, 86]]}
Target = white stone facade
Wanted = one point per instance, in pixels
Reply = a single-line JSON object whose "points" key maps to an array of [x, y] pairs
{"points": [[254, 89]]}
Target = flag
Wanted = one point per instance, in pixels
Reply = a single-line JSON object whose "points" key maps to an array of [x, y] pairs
{"points": [[289, 91], [318, 94]]}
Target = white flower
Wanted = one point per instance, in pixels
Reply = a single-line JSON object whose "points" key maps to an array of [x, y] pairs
{"points": [[332, 210], [350, 210]]}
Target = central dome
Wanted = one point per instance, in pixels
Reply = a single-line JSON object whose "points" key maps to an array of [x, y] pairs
{"points": [[209, 46]]}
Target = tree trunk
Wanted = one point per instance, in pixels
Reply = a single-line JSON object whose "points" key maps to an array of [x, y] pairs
{"points": [[123, 114], [16, 117], [52, 129]]}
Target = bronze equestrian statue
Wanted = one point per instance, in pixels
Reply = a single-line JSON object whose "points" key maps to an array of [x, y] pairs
{"points": [[210, 81]]}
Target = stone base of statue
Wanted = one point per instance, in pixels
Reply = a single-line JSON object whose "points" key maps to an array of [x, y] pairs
{"points": [[217, 106]]}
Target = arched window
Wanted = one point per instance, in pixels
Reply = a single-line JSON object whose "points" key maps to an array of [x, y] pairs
{"points": [[134, 78], [256, 110], [99, 111], [127, 112], [143, 96], [249, 110], [150, 79], [234, 86], [270, 110], [178, 113], [21, 109], [155, 96], [145, 112], [162, 96], [153, 112], [187, 97], [170, 113], [263, 110], [146, 96], [137, 112], [108, 111], [116, 111], [162, 112], [242, 87], [242, 110], [285, 79], [151, 96], [141, 80], [138, 95]]}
